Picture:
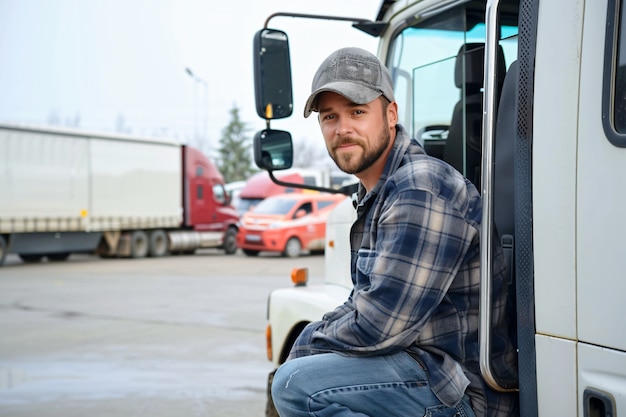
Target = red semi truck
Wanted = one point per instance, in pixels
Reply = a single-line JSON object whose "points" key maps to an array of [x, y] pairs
{"points": [[65, 191]]}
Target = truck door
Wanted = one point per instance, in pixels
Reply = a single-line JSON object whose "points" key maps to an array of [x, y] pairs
{"points": [[601, 203], [200, 207]]}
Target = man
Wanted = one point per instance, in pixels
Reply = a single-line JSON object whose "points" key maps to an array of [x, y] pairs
{"points": [[405, 343]]}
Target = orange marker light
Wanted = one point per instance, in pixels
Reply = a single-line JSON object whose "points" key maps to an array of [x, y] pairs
{"points": [[299, 276], [268, 342]]}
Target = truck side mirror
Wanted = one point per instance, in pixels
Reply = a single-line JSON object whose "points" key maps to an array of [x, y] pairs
{"points": [[272, 74], [273, 149]]}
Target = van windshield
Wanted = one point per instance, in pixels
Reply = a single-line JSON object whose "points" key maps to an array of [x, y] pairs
{"points": [[274, 206]]}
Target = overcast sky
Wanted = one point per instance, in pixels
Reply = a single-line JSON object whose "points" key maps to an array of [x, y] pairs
{"points": [[104, 61]]}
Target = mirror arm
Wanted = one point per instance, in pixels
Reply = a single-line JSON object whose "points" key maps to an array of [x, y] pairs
{"points": [[342, 190], [368, 26], [316, 16]]}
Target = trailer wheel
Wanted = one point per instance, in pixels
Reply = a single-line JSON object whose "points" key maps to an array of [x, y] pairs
{"points": [[230, 241], [57, 257], [139, 244], [158, 243], [3, 250], [30, 258]]}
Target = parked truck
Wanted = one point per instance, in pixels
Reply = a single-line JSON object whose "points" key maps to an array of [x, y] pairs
{"points": [[260, 185], [526, 98], [66, 191]]}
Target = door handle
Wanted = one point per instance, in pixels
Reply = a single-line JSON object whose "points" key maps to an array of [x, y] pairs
{"points": [[598, 403]]}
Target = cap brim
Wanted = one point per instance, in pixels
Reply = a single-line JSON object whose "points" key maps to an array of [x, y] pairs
{"points": [[354, 92]]}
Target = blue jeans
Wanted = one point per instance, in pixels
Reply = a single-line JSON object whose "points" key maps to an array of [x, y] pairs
{"points": [[339, 386]]}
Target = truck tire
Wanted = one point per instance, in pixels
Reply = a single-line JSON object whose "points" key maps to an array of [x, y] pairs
{"points": [[58, 257], [230, 241], [293, 248], [270, 410], [158, 243], [3, 250], [139, 244], [30, 257]]}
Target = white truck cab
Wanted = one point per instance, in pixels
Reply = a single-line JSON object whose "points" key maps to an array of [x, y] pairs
{"points": [[527, 98]]}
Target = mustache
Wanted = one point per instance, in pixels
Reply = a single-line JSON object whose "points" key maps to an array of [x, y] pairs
{"points": [[345, 140]]}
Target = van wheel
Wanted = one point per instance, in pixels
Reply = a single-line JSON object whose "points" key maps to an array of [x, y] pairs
{"points": [[293, 248], [158, 243], [139, 244], [230, 241]]}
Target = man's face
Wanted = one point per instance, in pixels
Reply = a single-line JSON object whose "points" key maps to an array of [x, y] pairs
{"points": [[356, 135]]}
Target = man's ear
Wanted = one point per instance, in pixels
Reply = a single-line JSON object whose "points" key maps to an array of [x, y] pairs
{"points": [[392, 113]]}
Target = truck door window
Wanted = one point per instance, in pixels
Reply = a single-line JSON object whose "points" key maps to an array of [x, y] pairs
{"points": [[422, 61], [620, 75], [219, 193], [614, 97]]}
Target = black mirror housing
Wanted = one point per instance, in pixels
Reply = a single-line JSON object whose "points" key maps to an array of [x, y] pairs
{"points": [[273, 150], [272, 74]]}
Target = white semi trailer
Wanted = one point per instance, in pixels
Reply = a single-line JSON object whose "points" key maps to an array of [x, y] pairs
{"points": [[65, 191]]}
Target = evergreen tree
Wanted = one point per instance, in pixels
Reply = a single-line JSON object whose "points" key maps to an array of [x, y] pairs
{"points": [[235, 156]]}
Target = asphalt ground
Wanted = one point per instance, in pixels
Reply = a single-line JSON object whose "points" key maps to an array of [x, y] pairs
{"points": [[172, 336]]}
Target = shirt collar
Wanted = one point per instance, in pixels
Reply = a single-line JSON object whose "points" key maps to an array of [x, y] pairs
{"points": [[400, 145]]}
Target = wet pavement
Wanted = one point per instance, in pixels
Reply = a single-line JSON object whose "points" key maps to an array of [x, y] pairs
{"points": [[178, 336]]}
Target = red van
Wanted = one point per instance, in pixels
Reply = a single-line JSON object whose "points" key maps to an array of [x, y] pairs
{"points": [[287, 223]]}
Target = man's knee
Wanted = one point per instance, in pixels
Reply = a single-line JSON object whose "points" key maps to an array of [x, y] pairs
{"points": [[279, 380], [284, 386]]}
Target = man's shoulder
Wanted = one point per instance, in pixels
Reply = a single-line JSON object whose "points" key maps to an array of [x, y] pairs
{"points": [[419, 170], [420, 173]]}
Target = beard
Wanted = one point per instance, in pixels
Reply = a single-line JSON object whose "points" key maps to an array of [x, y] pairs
{"points": [[350, 163]]}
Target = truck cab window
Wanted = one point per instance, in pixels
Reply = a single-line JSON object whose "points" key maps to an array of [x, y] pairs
{"points": [[619, 104], [435, 76], [220, 193]]}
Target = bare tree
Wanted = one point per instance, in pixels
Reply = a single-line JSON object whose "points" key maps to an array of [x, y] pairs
{"points": [[309, 153], [53, 118], [120, 124]]}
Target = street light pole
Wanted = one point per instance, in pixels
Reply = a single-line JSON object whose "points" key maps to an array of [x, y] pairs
{"points": [[205, 108]]}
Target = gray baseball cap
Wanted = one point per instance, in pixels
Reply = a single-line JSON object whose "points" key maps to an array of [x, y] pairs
{"points": [[354, 73]]}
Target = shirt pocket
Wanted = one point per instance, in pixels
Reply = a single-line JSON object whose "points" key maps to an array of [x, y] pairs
{"points": [[366, 258]]}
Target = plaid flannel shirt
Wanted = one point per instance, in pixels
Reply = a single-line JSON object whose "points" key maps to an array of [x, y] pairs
{"points": [[415, 269]]}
